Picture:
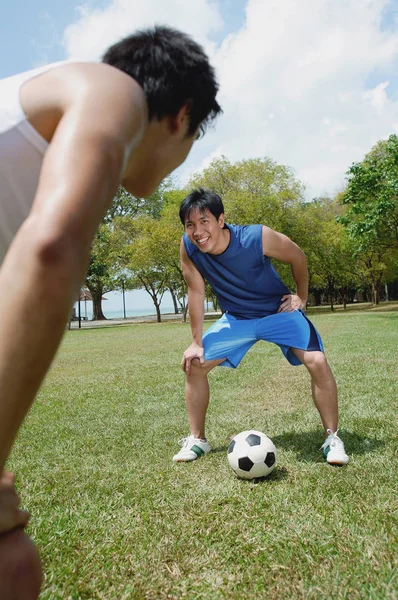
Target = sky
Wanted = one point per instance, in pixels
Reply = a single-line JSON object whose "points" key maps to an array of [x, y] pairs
{"points": [[311, 84]]}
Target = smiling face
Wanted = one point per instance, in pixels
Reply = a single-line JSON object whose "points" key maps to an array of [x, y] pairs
{"points": [[207, 232]]}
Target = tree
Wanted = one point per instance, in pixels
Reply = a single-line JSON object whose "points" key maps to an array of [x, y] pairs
{"points": [[253, 191], [372, 197], [126, 205], [372, 216], [104, 272], [99, 276], [329, 250], [147, 248]]}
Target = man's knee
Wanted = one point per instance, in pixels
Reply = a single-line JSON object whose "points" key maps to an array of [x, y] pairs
{"points": [[20, 567], [316, 362], [199, 369]]}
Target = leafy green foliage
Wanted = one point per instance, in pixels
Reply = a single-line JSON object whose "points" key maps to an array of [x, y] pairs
{"points": [[99, 279], [107, 270], [253, 191], [372, 197]]}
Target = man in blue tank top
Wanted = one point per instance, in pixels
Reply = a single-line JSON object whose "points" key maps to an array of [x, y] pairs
{"points": [[236, 261]]}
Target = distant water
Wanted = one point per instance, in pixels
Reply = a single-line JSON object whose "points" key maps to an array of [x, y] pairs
{"points": [[118, 314]]}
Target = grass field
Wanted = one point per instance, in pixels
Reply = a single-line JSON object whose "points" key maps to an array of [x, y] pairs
{"points": [[115, 519]]}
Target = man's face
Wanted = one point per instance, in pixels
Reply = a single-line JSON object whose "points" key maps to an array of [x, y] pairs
{"points": [[204, 230], [160, 153], [181, 147]]}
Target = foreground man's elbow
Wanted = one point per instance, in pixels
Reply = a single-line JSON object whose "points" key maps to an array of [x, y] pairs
{"points": [[52, 247]]}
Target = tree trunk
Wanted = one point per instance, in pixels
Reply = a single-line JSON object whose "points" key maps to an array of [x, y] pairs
{"points": [[386, 291], [331, 289], [174, 298], [96, 294], [374, 294], [378, 291], [317, 297], [185, 312], [214, 302], [158, 315]]}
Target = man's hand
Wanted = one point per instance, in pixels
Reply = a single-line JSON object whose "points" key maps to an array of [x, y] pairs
{"points": [[290, 303], [194, 351], [10, 515]]}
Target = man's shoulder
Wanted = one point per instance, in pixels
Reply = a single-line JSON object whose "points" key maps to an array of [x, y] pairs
{"points": [[98, 93], [88, 76], [77, 75], [246, 233]]}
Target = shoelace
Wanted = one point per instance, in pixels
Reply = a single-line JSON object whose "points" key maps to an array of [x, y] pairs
{"points": [[183, 441], [332, 440]]}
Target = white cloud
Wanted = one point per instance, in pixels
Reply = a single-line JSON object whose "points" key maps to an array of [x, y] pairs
{"points": [[97, 29], [378, 97], [294, 78], [307, 63]]}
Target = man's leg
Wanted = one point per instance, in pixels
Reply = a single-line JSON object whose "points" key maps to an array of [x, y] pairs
{"points": [[197, 400], [232, 338], [324, 389], [197, 395], [324, 393]]}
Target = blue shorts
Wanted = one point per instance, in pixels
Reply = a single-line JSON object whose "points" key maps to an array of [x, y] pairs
{"points": [[231, 338]]}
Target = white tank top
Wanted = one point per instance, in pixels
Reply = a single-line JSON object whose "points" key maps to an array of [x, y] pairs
{"points": [[21, 155]]}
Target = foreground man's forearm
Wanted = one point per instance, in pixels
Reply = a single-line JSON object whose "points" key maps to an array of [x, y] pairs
{"points": [[38, 282]]}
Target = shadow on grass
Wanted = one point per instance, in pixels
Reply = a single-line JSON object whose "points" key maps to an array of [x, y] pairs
{"points": [[220, 449], [306, 444], [278, 474]]}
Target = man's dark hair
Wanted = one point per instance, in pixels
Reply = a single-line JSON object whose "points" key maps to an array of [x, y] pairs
{"points": [[173, 70], [201, 199]]}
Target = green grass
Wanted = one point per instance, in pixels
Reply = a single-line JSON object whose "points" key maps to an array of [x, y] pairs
{"points": [[114, 518]]}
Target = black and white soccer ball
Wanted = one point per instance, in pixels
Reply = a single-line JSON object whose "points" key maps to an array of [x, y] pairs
{"points": [[252, 454]]}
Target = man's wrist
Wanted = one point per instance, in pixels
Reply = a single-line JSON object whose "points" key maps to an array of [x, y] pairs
{"points": [[303, 297]]}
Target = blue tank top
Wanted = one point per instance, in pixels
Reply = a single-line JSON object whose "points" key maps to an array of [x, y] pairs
{"points": [[243, 279]]}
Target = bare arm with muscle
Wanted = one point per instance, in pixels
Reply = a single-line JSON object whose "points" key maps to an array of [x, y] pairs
{"points": [[279, 246], [196, 298], [99, 121]]}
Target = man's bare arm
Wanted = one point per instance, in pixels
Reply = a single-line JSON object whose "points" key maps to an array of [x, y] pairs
{"points": [[196, 298], [279, 246], [47, 260]]}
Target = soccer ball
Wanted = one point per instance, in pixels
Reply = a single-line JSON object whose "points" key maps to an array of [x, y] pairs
{"points": [[252, 454]]}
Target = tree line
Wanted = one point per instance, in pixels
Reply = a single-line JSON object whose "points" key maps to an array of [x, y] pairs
{"points": [[351, 239]]}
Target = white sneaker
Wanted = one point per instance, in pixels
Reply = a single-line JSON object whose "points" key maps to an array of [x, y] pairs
{"points": [[333, 449], [192, 448]]}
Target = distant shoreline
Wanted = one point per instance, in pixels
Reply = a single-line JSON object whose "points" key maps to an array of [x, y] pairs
{"points": [[392, 305], [108, 322]]}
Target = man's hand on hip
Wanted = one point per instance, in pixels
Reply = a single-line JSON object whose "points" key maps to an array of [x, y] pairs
{"points": [[291, 302]]}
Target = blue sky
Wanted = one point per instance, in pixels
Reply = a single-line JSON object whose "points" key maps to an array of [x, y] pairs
{"points": [[37, 37], [40, 31], [312, 84]]}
